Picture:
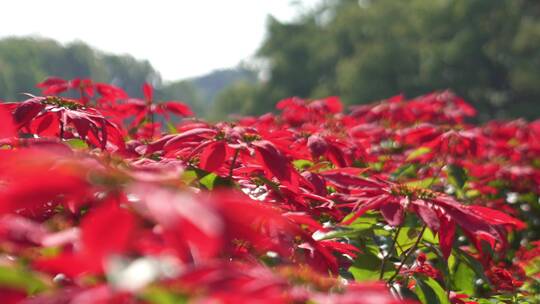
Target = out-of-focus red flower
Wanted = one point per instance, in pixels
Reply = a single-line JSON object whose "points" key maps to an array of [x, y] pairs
{"points": [[423, 267], [504, 278]]}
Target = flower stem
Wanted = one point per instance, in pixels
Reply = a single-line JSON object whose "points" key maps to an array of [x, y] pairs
{"points": [[408, 254], [386, 256]]}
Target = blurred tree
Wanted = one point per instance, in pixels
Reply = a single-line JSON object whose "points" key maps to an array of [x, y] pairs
{"points": [[129, 73], [182, 91], [364, 50], [27, 61], [211, 84], [240, 98]]}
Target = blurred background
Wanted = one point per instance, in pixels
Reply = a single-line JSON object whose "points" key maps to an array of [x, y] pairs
{"points": [[242, 56]]}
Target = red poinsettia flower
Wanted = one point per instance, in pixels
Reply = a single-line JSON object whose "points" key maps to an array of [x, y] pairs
{"points": [[66, 118], [440, 212], [145, 110]]}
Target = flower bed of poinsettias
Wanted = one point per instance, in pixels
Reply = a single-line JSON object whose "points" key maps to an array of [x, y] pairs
{"points": [[110, 199]]}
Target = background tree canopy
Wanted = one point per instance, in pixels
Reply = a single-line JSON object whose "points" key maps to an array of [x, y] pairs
{"points": [[26, 61], [488, 51]]}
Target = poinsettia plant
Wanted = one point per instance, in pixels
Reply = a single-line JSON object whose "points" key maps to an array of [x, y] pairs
{"points": [[397, 201]]}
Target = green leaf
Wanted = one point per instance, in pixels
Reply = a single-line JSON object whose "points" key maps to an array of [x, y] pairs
{"points": [[208, 181], [361, 227], [50, 251], [189, 176], [532, 267], [418, 152], [456, 176], [158, 295], [367, 265], [429, 291], [464, 278], [211, 181], [429, 236], [21, 280], [171, 128], [407, 170], [302, 164], [423, 183], [377, 166], [473, 263], [473, 193], [406, 239], [77, 144]]}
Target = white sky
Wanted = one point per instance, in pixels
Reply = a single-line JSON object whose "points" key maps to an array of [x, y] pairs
{"points": [[180, 38]]}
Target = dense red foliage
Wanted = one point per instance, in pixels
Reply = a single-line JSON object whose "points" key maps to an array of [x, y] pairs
{"points": [[398, 201]]}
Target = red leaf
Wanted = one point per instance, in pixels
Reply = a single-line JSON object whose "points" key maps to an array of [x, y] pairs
{"points": [[107, 230], [176, 141], [333, 103], [7, 128], [27, 110], [446, 236], [51, 81], [110, 92], [148, 92], [46, 124], [496, 217], [317, 145], [178, 108], [34, 189], [274, 162], [393, 213], [348, 181], [213, 156], [429, 216]]}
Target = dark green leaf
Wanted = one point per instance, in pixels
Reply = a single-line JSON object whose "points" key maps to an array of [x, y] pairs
{"points": [[429, 291]]}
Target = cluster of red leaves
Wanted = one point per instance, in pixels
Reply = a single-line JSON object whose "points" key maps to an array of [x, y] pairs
{"points": [[97, 205]]}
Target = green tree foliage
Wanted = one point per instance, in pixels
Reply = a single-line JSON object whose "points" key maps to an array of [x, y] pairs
{"points": [[213, 83], [27, 61], [240, 98], [485, 50], [24, 62], [185, 91]]}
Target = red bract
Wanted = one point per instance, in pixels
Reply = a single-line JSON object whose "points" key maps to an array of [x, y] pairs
{"points": [[213, 156], [438, 211], [301, 206], [98, 242], [144, 110], [109, 93], [201, 227], [56, 86], [439, 107], [297, 111], [7, 128], [29, 189], [275, 164], [506, 278], [65, 118]]}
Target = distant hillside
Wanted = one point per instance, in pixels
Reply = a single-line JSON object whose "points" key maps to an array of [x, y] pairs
{"points": [[212, 84], [29, 60]]}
